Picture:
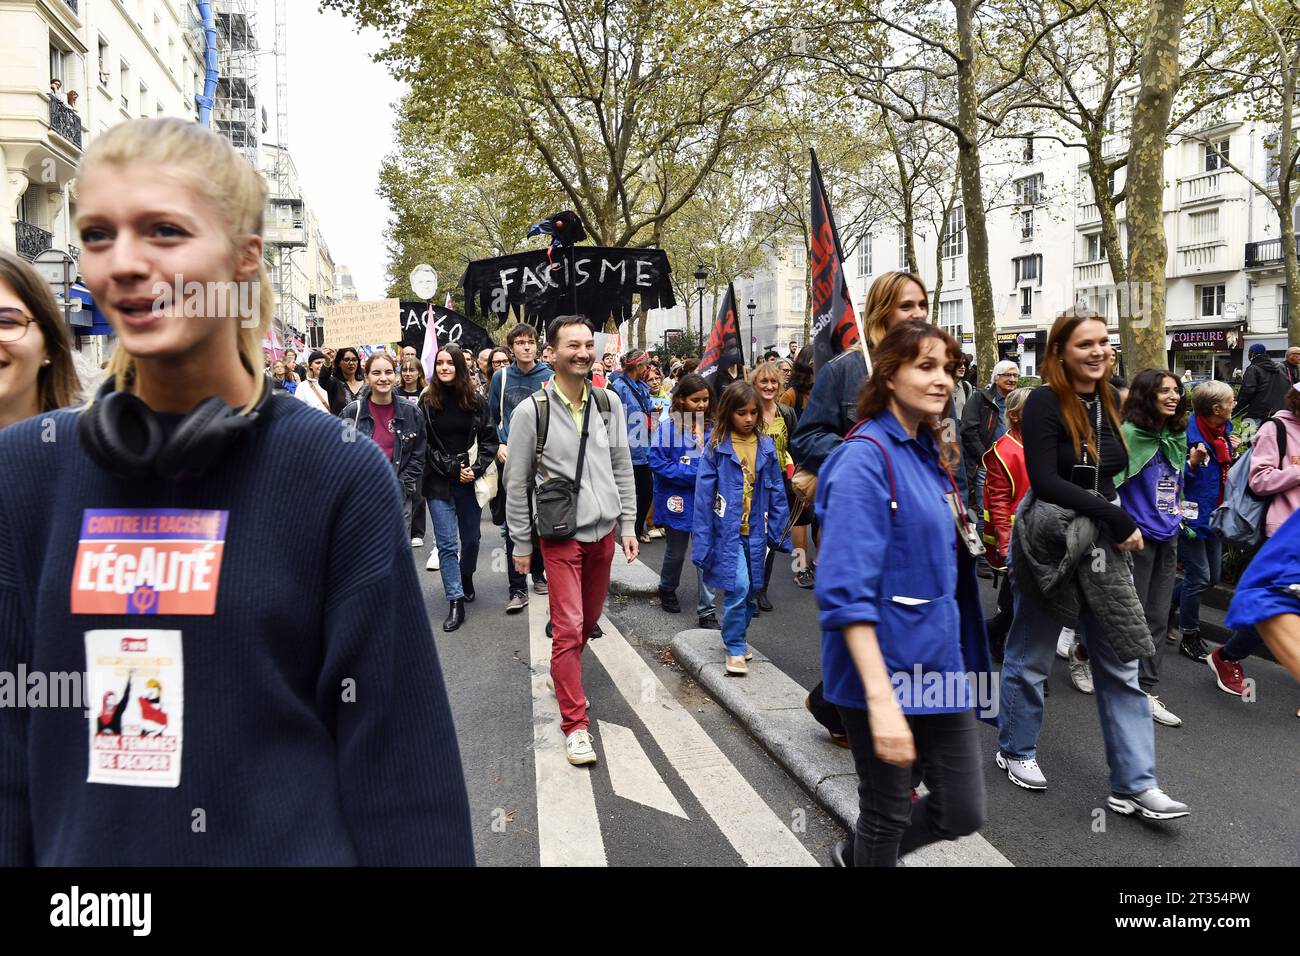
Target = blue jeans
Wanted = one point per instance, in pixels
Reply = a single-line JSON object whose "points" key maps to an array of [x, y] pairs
{"points": [[738, 608], [1126, 726], [1202, 559], [459, 513], [518, 583], [1241, 645], [670, 574]]}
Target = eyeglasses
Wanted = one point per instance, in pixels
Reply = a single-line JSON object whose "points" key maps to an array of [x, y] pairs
{"points": [[500, 362], [13, 325]]}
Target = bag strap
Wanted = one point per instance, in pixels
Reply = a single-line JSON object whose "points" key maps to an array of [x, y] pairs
{"points": [[542, 409], [582, 446], [504, 372], [1281, 441], [856, 435]]}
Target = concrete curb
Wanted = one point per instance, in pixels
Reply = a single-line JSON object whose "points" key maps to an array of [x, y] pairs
{"points": [[770, 706], [635, 578]]}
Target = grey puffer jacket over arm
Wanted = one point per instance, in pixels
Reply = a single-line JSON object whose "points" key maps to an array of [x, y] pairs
{"points": [[1069, 561]]}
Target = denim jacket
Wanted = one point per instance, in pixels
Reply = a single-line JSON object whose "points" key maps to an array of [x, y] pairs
{"points": [[832, 410]]}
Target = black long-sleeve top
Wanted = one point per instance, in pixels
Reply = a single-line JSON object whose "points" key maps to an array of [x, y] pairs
{"points": [[1050, 457]]}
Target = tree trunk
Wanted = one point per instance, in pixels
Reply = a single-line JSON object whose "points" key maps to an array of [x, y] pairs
{"points": [[905, 191], [1113, 248], [968, 168], [641, 316], [1148, 251], [1286, 196]]}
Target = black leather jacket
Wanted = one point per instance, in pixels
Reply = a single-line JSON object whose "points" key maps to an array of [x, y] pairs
{"points": [[408, 436]]}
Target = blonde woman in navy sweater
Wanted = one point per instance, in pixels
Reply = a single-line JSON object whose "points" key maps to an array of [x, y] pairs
{"points": [[134, 549]]}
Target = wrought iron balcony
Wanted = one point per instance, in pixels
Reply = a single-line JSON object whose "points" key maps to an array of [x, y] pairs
{"points": [[1265, 253], [65, 121], [31, 241]]}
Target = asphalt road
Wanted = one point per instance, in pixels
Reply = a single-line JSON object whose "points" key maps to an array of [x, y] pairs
{"points": [[1237, 764], [523, 799]]}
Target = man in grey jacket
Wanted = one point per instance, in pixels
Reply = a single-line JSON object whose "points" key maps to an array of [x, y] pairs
{"points": [[578, 567]]}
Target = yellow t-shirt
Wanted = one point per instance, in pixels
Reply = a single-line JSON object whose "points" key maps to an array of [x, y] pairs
{"points": [[747, 450], [776, 431]]}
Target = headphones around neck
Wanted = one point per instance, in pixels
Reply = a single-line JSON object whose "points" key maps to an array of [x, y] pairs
{"points": [[125, 437]]}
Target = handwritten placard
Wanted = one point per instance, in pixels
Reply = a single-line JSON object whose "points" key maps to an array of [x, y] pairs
{"points": [[362, 323]]}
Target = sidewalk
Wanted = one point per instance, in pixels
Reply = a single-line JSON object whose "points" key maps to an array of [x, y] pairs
{"points": [[769, 705]]}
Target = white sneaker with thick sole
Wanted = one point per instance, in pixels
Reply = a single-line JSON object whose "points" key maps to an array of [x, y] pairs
{"points": [[1064, 643], [577, 747], [1023, 773], [433, 564], [1162, 714], [1153, 804], [1080, 673], [417, 542]]}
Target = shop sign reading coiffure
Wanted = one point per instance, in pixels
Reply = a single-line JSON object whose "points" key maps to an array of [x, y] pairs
{"points": [[1206, 340]]}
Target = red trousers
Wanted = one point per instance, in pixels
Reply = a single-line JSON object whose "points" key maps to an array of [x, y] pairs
{"points": [[577, 573]]}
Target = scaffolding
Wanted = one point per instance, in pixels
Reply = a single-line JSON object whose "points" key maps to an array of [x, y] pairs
{"points": [[235, 113], [287, 211]]}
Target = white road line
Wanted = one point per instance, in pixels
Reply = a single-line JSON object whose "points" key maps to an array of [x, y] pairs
{"points": [[631, 773], [568, 828], [757, 833]]}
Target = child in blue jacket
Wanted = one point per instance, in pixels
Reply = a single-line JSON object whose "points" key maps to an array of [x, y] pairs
{"points": [[675, 460], [740, 509]]}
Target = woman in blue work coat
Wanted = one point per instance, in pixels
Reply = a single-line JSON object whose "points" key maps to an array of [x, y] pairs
{"points": [[904, 653]]}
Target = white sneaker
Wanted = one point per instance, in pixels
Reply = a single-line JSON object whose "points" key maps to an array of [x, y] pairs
{"points": [[417, 542], [577, 747], [1153, 804], [433, 564], [1064, 643], [1080, 673], [1162, 714], [1023, 773]]}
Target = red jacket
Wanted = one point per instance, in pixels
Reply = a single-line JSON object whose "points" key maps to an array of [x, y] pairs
{"points": [[1005, 483]]}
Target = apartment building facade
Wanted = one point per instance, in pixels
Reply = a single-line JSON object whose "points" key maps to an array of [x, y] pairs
{"points": [[1225, 283], [114, 60]]}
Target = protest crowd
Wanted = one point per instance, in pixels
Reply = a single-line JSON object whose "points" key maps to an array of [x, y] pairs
{"points": [[887, 479]]}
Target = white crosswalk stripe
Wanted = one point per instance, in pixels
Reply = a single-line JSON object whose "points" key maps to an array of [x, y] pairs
{"points": [[568, 827], [569, 831], [631, 773], [756, 833]]}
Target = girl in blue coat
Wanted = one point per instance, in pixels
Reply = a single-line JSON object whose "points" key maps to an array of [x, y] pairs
{"points": [[675, 460], [740, 509]]}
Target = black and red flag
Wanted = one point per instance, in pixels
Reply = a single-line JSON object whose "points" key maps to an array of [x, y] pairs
{"points": [[834, 324], [724, 349]]}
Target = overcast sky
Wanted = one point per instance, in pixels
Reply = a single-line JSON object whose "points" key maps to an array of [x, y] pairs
{"points": [[340, 128]]}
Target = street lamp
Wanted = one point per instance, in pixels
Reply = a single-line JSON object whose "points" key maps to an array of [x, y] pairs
{"points": [[753, 307], [701, 276]]}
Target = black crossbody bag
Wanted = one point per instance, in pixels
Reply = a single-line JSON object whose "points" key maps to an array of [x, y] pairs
{"points": [[555, 502]]}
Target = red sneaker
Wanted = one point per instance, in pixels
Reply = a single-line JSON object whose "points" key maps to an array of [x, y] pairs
{"points": [[1227, 674]]}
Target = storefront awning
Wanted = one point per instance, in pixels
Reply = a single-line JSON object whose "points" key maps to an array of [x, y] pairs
{"points": [[99, 324]]}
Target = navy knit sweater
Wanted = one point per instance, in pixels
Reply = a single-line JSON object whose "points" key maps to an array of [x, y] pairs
{"points": [[315, 726]]}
